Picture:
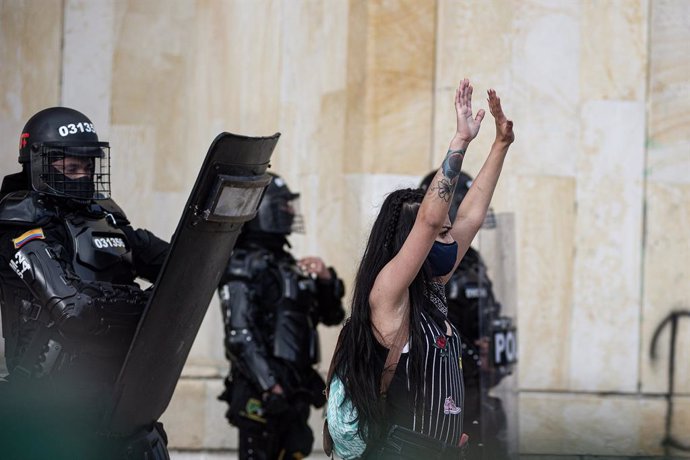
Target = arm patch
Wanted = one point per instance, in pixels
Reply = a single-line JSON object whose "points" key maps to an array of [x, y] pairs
{"points": [[34, 234]]}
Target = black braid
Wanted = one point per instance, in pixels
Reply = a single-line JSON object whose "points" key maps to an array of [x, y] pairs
{"points": [[393, 222], [397, 204]]}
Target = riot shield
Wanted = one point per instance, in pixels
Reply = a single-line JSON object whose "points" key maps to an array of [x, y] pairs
{"points": [[498, 380], [226, 194]]}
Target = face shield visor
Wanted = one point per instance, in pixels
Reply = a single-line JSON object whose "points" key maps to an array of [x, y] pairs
{"points": [[79, 171], [284, 216]]}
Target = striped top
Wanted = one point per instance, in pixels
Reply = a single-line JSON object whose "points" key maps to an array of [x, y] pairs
{"points": [[441, 400]]}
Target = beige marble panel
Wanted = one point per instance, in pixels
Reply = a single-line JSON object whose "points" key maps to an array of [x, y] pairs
{"points": [[608, 234], [613, 58], [30, 70], [133, 169], [545, 91], [237, 67], [669, 87], [87, 60], [313, 98], [473, 40], [545, 246], [195, 418], [184, 419], [528, 52], [680, 426], [669, 70], [584, 424], [131, 185], [389, 87], [666, 283], [152, 68], [323, 197]]}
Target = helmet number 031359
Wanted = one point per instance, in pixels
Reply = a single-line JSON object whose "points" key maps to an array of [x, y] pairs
{"points": [[72, 128]]}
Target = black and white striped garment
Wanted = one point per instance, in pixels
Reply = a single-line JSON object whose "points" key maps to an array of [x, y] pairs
{"points": [[438, 411]]}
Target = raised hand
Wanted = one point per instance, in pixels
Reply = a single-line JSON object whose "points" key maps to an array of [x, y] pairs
{"points": [[504, 126], [467, 127]]}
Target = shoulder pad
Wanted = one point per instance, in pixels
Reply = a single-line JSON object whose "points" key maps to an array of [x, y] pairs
{"points": [[24, 208], [110, 207], [245, 264]]}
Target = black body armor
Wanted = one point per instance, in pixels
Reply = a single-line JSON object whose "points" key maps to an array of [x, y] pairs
{"points": [[271, 311], [101, 249], [69, 300]]}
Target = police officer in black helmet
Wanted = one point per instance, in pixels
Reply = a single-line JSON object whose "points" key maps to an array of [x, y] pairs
{"points": [[271, 304], [471, 308], [69, 301]]}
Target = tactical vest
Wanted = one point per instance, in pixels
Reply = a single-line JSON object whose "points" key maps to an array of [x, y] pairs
{"points": [[99, 252], [291, 320]]}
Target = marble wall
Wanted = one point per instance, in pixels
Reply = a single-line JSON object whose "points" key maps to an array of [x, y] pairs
{"points": [[598, 179]]}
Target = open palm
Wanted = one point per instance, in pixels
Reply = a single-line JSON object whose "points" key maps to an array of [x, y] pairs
{"points": [[468, 126], [504, 126]]}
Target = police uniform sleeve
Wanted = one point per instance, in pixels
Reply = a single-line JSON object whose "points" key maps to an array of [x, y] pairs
{"points": [[329, 296], [148, 250], [76, 307], [243, 345]]}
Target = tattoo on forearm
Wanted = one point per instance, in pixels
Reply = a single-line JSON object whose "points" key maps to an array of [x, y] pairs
{"points": [[452, 164], [450, 169], [445, 189]]}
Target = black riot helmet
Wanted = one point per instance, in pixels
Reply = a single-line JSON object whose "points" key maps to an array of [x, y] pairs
{"points": [[64, 155], [278, 212]]}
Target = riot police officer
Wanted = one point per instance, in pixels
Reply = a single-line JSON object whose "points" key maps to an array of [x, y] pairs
{"points": [[271, 304], [70, 304], [473, 309]]}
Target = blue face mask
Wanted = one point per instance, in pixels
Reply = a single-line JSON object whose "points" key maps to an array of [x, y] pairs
{"points": [[442, 258]]}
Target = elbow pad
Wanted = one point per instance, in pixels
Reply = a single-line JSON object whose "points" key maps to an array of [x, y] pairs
{"points": [[250, 358], [241, 346], [37, 266]]}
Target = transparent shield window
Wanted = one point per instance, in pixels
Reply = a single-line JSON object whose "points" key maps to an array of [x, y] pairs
{"points": [[237, 202]]}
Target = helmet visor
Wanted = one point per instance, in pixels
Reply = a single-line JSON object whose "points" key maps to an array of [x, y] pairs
{"points": [[72, 171], [279, 215]]}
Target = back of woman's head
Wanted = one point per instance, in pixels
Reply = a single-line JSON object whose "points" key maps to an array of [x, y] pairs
{"points": [[355, 360], [394, 222]]}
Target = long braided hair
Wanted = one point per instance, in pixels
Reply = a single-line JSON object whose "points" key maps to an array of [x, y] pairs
{"points": [[355, 359]]}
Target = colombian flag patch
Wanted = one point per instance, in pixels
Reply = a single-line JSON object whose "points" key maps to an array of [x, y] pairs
{"points": [[35, 234]]}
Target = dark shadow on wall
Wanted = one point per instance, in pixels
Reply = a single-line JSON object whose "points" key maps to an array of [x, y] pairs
{"points": [[669, 442]]}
